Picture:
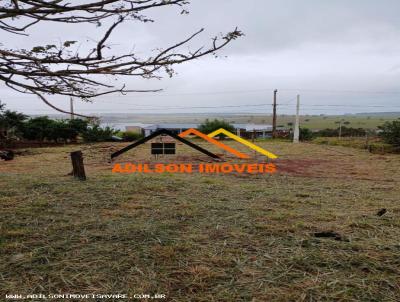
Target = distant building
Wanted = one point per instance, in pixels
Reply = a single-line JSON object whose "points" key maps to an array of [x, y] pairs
{"points": [[242, 130], [253, 130]]}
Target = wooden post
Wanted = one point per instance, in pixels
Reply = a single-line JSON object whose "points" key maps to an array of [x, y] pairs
{"points": [[77, 165], [296, 135], [274, 115]]}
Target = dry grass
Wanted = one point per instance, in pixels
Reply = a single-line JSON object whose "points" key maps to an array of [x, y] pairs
{"points": [[204, 237]]}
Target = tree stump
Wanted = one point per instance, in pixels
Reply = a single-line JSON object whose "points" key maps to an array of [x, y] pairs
{"points": [[77, 165]]}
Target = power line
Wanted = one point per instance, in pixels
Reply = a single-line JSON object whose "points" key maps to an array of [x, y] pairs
{"points": [[341, 105], [161, 94], [287, 105], [154, 107], [332, 91]]}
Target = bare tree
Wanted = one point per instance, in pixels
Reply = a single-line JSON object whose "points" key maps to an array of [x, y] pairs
{"points": [[57, 70]]}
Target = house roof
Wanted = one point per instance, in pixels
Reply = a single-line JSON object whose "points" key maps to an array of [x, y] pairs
{"points": [[259, 127], [161, 132]]}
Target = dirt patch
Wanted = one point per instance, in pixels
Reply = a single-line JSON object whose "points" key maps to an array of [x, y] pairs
{"points": [[335, 168], [300, 167]]}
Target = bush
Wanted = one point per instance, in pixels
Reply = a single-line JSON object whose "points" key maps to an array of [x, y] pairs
{"points": [[210, 126], [130, 136], [78, 125], [12, 119], [39, 128], [61, 130], [346, 132], [390, 133], [42, 128], [11, 123], [95, 133], [305, 134]]}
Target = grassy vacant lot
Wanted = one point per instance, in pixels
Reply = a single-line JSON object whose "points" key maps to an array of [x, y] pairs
{"points": [[316, 122], [331, 121], [204, 237]]}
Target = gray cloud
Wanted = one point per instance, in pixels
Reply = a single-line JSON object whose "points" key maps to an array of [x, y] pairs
{"points": [[305, 46]]}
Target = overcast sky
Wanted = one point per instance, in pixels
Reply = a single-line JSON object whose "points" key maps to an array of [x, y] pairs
{"points": [[341, 53]]}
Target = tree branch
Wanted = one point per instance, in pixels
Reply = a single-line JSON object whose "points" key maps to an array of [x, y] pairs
{"points": [[56, 70]]}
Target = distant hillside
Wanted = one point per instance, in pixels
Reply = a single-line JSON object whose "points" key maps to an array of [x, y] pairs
{"points": [[379, 114], [315, 122]]}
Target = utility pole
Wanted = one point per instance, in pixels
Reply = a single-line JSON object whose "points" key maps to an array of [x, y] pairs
{"points": [[274, 115], [296, 135], [71, 103]]}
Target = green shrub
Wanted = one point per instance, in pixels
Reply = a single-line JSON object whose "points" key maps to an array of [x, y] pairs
{"points": [[390, 133], [61, 130], [95, 133], [346, 132], [15, 124], [42, 128], [327, 132], [11, 123], [130, 136], [305, 134], [39, 128], [210, 126], [78, 125]]}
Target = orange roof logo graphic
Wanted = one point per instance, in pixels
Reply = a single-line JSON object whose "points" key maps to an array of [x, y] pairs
{"points": [[210, 139], [213, 141]]}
